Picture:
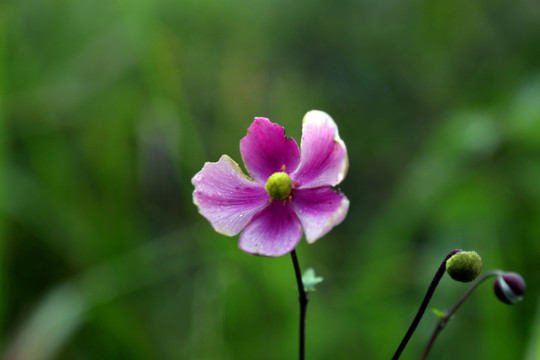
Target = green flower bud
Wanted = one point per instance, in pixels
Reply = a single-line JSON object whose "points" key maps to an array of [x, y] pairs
{"points": [[278, 185], [464, 266]]}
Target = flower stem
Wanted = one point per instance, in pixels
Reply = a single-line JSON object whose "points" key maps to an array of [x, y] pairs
{"points": [[303, 298], [448, 314], [436, 279]]}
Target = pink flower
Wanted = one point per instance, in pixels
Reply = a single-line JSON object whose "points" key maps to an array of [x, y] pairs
{"points": [[289, 190]]}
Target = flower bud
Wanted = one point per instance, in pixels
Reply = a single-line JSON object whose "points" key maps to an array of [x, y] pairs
{"points": [[509, 288], [464, 266]]}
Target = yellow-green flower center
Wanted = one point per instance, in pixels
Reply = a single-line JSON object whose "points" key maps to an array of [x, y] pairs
{"points": [[278, 185]]}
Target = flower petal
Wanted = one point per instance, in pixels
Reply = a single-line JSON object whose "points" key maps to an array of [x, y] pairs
{"points": [[273, 232], [226, 197], [324, 159], [265, 150], [319, 210]]}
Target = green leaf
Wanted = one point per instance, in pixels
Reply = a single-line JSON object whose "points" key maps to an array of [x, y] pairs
{"points": [[438, 312], [309, 279]]}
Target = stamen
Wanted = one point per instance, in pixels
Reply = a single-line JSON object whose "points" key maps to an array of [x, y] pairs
{"points": [[283, 167]]}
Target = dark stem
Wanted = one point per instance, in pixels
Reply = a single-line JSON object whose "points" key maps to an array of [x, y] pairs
{"points": [[436, 279], [303, 298], [448, 314]]}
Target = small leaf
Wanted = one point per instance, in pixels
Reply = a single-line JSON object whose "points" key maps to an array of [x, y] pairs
{"points": [[439, 313], [309, 279]]}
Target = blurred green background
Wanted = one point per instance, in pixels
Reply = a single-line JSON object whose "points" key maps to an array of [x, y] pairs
{"points": [[108, 108]]}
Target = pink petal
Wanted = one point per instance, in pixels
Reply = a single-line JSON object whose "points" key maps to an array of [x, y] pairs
{"points": [[226, 197], [324, 159], [319, 210], [265, 150], [273, 232]]}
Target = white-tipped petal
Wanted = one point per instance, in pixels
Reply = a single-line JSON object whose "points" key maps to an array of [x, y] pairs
{"points": [[226, 197], [323, 155]]}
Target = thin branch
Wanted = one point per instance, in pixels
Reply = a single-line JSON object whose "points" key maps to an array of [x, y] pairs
{"points": [[448, 314], [303, 298], [436, 279]]}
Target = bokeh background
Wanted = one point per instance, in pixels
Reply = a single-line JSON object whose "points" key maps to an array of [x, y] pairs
{"points": [[108, 108]]}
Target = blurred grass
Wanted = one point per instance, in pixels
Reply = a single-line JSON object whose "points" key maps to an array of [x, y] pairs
{"points": [[107, 109], [3, 162]]}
